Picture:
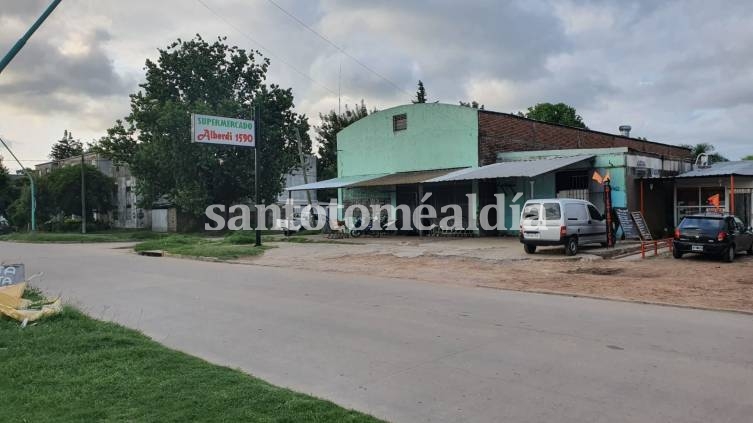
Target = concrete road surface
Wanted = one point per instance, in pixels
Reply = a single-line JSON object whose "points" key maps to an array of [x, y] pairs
{"points": [[410, 351]]}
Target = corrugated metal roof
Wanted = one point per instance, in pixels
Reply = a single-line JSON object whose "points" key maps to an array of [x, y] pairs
{"points": [[402, 178], [739, 168], [524, 168], [340, 182]]}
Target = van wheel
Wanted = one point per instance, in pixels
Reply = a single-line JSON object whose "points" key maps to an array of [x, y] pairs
{"points": [[571, 246], [749, 251], [676, 253], [729, 254], [530, 249]]}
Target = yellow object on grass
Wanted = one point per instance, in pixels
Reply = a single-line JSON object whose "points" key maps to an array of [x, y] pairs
{"points": [[15, 307]]}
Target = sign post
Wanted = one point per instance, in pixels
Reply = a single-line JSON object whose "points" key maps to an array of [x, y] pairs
{"points": [[219, 130]]}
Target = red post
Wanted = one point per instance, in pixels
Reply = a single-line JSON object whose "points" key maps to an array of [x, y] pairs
{"points": [[732, 194], [608, 212]]}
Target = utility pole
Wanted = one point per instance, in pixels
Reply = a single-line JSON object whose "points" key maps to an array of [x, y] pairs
{"points": [[83, 194], [22, 41], [33, 188]]}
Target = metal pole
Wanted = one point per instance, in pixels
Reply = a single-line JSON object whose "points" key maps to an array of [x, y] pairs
{"points": [[22, 41], [257, 130], [33, 188], [83, 194]]}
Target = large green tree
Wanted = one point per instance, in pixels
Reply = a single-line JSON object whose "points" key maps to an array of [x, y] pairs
{"points": [[63, 186], [326, 137], [66, 147], [748, 157], [197, 76], [7, 191], [58, 193], [559, 113], [705, 148]]}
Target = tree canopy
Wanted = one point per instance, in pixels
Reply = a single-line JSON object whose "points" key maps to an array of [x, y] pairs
{"points": [[472, 104], [326, 137], [559, 113], [66, 147], [750, 157], [420, 93], [58, 193], [705, 148], [196, 76], [6, 189]]}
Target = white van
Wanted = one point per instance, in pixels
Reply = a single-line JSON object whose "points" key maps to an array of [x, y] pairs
{"points": [[561, 221]]}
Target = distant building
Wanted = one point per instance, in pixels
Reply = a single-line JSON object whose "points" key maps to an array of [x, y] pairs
{"points": [[295, 178], [126, 213]]}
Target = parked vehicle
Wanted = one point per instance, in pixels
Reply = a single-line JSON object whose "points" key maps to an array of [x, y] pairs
{"points": [[720, 235], [4, 226], [560, 221]]}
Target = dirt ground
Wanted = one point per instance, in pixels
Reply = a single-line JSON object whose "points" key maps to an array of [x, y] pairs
{"points": [[501, 263]]}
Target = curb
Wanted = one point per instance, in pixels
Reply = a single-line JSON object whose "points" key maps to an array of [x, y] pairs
{"points": [[621, 300]]}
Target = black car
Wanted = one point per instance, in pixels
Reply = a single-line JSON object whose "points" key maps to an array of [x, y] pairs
{"points": [[720, 235]]}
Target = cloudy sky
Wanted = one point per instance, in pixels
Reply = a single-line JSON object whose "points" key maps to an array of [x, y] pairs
{"points": [[678, 72]]}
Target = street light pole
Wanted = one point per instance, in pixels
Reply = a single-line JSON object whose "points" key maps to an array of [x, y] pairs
{"points": [[22, 41], [257, 135], [33, 188]]}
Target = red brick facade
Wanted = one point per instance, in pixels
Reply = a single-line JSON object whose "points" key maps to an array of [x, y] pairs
{"points": [[501, 132]]}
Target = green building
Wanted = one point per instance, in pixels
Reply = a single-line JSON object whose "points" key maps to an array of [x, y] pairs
{"points": [[399, 155]]}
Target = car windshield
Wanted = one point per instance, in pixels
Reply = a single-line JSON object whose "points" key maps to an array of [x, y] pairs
{"points": [[704, 225]]}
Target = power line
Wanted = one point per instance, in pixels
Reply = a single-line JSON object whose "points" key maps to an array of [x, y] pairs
{"points": [[327, 40], [269, 52]]}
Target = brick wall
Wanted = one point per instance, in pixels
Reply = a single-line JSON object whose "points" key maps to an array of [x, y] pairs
{"points": [[501, 132]]}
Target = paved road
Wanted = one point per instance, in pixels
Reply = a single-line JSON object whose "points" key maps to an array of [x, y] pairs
{"points": [[418, 352]]}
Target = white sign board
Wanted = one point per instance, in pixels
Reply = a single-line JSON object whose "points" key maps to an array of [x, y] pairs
{"points": [[222, 130], [11, 274]]}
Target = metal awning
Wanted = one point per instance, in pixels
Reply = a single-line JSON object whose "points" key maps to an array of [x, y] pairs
{"points": [[737, 168], [403, 178], [340, 182], [519, 169]]}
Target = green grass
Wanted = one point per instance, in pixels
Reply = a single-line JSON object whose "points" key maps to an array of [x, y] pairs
{"points": [[71, 368], [195, 246], [72, 237]]}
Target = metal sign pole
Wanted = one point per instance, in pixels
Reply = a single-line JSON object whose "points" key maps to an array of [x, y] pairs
{"points": [[257, 136]]}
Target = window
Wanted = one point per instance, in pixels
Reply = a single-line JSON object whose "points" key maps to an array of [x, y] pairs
{"points": [[595, 215], [531, 211], [399, 122], [551, 211]]}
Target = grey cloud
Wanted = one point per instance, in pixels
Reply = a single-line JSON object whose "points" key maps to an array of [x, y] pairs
{"points": [[43, 78]]}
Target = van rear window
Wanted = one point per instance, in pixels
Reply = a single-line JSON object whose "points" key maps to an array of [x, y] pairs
{"points": [[531, 211], [552, 211]]}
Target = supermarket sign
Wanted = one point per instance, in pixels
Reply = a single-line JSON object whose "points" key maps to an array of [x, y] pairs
{"points": [[222, 130]]}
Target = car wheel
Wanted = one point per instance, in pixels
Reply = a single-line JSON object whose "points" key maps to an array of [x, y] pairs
{"points": [[530, 249], [729, 254], [749, 251], [571, 246], [676, 253]]}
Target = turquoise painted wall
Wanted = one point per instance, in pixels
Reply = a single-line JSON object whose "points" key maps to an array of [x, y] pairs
{"points": [[439, 136]]}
